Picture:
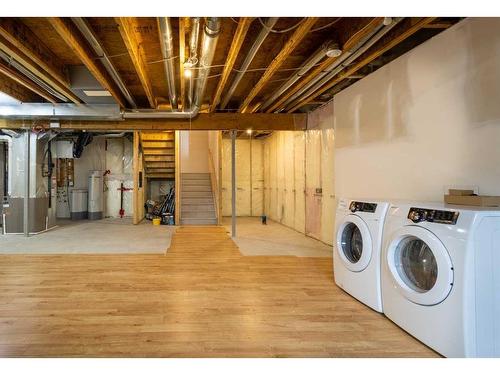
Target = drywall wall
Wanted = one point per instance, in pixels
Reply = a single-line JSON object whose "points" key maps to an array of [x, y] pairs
{"points": [[426, 121], [194, 151]]}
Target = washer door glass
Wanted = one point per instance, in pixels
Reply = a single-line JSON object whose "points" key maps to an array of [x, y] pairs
{"points": [[416, 264], [352, 242], [420, 265]]}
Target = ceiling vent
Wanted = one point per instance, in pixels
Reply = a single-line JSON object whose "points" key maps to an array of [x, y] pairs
{"points": [[87, 88]]}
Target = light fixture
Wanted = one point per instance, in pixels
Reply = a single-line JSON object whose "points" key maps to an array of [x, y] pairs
{"points": [[249, 131], [187, 73], [387, 21], [333, 50], [97, 93]]}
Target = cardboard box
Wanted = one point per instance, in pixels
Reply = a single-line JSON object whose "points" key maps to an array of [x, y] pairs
{"points": [[472, 200]]}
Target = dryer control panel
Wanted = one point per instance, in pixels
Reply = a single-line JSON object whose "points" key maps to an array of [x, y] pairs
{"points": [[418, 215], [362, 206]]}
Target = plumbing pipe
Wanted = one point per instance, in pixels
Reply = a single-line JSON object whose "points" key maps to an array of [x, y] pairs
{"points": [[270, 22], [341, 63], [315, 58], [91, 38], [167, 51]]}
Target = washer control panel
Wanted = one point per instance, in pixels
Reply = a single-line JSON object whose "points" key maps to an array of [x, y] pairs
{"points": [[356, 206], [418, 215]]}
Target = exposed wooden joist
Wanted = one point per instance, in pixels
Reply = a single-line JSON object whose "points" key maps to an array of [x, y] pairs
{"points": [[239, 38], [68, 32], [126, 26], [287, 49], [412, 29], [19, 42], [23, 81], [17, 91], [351, 42]]}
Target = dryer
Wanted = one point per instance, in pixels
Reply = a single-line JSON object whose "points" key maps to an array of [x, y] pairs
{"points": [[441, 276], [357, 248]]}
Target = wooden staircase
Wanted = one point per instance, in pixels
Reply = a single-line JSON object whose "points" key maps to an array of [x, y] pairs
{"points": [[159, 154], [197, 200]]}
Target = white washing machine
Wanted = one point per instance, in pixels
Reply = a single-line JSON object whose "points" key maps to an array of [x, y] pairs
{"points": [[357, 248], [441, 276]]}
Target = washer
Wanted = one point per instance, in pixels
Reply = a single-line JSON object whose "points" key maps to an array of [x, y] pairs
{"points": [[441, 276], [357, 248]]}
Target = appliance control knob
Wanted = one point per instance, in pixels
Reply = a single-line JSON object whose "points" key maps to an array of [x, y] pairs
{"points": [[416, 216]]}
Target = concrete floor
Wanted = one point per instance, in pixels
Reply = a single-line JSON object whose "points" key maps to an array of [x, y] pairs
{"points": [[274, 239], [108, 236]]}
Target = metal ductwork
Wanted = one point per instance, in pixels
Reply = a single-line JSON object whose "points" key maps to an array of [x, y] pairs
{"points": [[304, 68], [167, 51], [193, 59], [338, 65], [270, 22], [208, 45], [91, 38]]}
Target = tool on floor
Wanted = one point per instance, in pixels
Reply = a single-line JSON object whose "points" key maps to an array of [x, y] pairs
{"points": [[263, 219]]}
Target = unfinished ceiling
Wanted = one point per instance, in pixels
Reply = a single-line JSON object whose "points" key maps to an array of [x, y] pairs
{"points": [[284, 65]]}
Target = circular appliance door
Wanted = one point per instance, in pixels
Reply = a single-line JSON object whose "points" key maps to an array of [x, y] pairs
{"points": [[354, 243], [420, 265]]}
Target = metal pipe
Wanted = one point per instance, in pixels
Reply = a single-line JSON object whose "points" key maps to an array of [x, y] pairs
{"points": [[26, 227], [340, 64], [208, 45], [270, 22], [192, 59], [233, 183], [316, 57], [167, 51], [19, 67], [91, 38]]}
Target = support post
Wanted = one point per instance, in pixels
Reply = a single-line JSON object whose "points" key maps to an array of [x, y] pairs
{"points": [[26, 224], [135, 169], [233, 183]]}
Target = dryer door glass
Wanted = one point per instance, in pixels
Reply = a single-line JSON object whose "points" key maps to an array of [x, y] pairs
{"points": [[416, 264], [352, 242]]}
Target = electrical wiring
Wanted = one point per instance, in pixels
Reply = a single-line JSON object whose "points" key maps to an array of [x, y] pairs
{"points": [[325, 26], [280, 31]]}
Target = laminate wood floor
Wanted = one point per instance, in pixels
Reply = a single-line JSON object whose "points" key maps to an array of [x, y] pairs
{"points": [[201, 299]]}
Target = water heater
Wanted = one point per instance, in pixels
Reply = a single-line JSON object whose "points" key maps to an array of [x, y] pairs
{"points": [[95, 195]]}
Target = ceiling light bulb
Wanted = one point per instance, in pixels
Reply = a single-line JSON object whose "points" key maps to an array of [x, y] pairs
{"points": [[249, 131], [334, 51], [187, 73]]}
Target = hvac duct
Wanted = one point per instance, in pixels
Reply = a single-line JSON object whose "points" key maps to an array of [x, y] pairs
{"points": [[193, 59], [339, 64], [89, 35], [167, 51], [304, 68], [270, 22]]}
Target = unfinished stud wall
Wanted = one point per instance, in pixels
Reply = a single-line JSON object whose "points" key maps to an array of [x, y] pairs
{"points": [[249, 177], [426, 121], [298, 177]]}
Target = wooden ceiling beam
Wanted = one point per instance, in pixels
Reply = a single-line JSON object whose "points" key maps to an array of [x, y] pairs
{"points": [[18, 41], [70, 34], [412, 29], [204, 121], [133, 42], [238, 39], [16, 90], [299, 34], [351, 42], [23, 81]]}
